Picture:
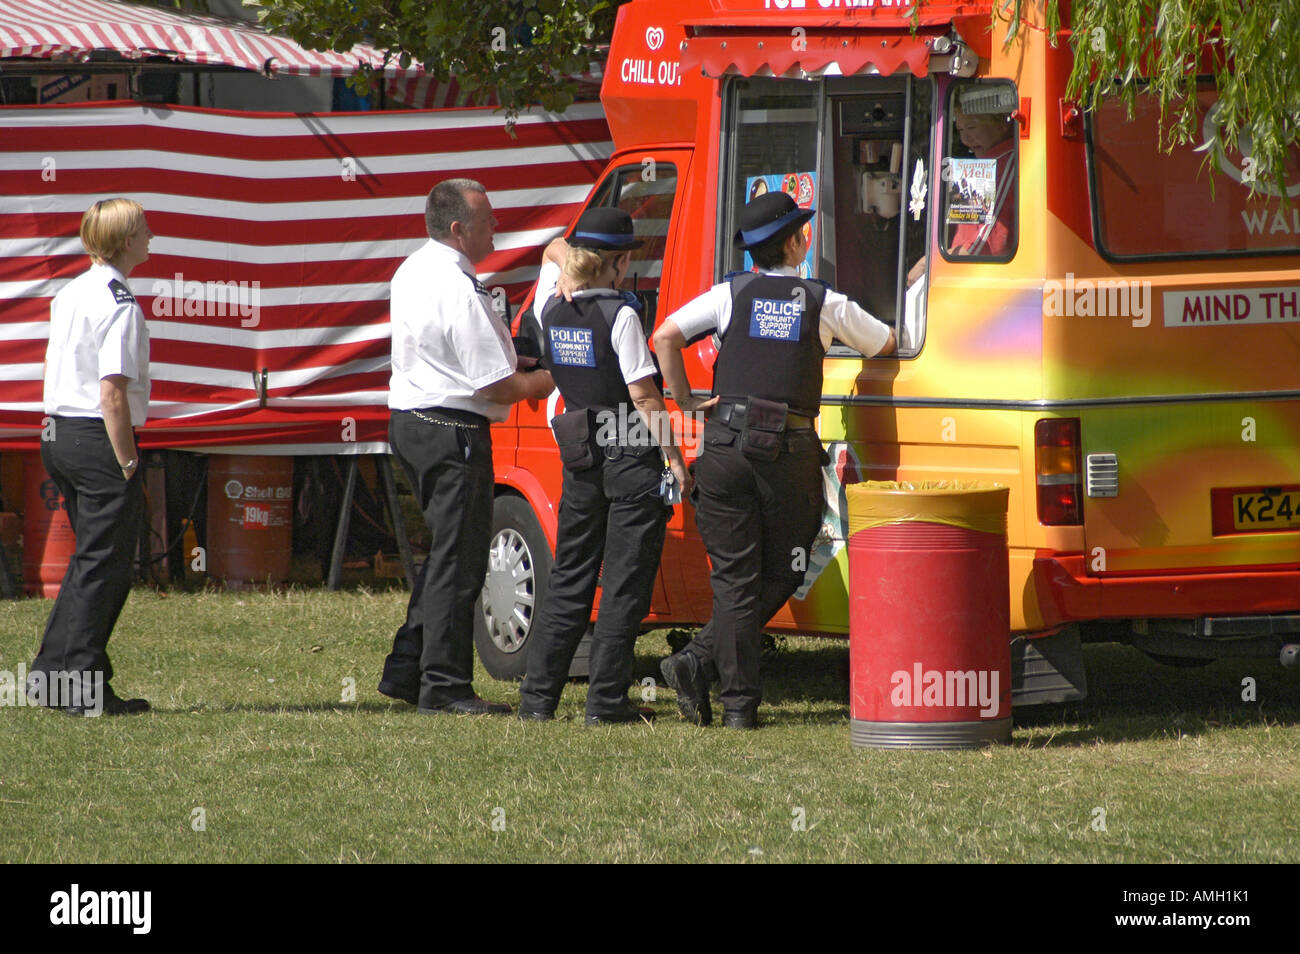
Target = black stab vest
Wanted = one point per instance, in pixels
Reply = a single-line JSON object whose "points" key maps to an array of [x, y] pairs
{"points": [[772, 349], [579, 353]]}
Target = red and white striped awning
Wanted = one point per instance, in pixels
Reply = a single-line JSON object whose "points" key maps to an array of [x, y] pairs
{"points": [[49, 28]]}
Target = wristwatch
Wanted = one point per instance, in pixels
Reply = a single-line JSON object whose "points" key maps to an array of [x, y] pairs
{"points": [[130, 464]]}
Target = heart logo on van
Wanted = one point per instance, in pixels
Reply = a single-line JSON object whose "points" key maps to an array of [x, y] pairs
{"points": [[654, 38]]}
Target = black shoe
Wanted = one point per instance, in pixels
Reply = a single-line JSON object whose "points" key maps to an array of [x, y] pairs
{"points": [[471, 706], [534, 715], [685, 676], [394, 691], [113, 705], [740, 719], [629, 713]]}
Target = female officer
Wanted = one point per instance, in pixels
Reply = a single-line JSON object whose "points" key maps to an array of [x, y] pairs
{"points": [[96, 391], [611, 507], [758, 501]]}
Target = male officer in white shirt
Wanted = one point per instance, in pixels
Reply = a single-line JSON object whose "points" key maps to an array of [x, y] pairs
{"points": [[758, 477], [96, 392], [454, 371]]}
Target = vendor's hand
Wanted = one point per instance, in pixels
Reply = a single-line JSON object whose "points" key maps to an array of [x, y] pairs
{"points": [[523, 362], [565, 287]]}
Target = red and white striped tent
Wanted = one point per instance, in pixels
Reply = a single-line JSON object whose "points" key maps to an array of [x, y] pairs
{"points": [[312, 212], [49, 28]]}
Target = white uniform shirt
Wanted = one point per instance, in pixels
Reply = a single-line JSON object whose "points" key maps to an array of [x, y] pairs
{"points": [[96, 329], [626, 337], [840, 317], [447, 341]]}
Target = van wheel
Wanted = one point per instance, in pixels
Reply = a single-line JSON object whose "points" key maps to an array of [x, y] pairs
{"points": [[519, 566]]}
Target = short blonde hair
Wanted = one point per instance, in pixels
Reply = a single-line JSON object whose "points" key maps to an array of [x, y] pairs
{"points": [[585, 265], [106, 226]]}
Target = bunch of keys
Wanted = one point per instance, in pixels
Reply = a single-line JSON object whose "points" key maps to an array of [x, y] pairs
{"points": [[669, 489]]}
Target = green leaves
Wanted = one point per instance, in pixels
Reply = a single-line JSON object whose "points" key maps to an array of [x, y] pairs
{"points": [[1159, 47], [520, 49]]}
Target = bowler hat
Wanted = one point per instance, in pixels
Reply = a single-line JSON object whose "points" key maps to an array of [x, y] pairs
{"points": [[768, 215], [606, 229]]}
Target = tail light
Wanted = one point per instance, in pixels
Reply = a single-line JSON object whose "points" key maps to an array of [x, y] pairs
{"points": [[1059, 467]]}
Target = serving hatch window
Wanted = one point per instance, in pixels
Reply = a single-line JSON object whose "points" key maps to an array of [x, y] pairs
{"points": [[979, 172], [1150, 204], [858, 150]]}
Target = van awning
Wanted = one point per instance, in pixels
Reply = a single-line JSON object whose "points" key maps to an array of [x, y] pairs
{"points": [[50, 28], [755, 51]]}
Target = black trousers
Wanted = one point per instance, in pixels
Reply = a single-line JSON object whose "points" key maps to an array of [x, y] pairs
{"points": [[450, 471], [104, 509], [610, 512], [758, 521]]}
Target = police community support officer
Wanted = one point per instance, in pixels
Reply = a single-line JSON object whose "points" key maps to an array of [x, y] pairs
{"points": [[610, 508], [454, 372], [96, 391], [758, 479]]}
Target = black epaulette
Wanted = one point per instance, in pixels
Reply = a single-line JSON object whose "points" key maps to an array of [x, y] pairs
{"points": [[121, 294]]}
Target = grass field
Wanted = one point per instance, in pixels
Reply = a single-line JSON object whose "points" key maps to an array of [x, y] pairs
{"points": [[248, 726]]}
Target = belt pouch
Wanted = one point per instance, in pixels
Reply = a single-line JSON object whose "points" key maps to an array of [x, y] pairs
{"points": [[764, 428], [573, 434]]}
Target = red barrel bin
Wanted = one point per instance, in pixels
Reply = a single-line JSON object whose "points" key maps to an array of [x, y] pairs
{"points": [[250, 520], [929, 615], [48, 540]]}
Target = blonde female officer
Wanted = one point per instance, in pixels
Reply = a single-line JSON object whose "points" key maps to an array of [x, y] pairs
{"points": [[96, 392], [611, 510]]}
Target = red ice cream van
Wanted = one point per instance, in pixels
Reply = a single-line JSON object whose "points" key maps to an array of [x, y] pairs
{"points": [[1080, 319]]}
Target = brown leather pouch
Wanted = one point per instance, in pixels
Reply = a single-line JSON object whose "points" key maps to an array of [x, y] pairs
{"points": [[764, 429], [573, 434]]}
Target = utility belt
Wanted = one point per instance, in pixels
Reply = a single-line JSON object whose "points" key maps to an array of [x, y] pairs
{"points": [[577, 435], [761, 424]]}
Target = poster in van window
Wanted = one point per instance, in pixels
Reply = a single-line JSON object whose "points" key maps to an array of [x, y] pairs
{"points": [[972, 190], [800, 186]]}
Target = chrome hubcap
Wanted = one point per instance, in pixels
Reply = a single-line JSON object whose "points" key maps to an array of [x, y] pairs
{"points": [[509, 591]]}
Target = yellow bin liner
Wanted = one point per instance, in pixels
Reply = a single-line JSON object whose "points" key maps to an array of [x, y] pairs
{"points": [[967, 504]]}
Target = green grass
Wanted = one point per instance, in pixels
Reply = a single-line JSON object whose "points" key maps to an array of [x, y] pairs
{"points": [[248, 725]]}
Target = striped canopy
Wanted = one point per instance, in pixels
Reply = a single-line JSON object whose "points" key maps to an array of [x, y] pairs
{"points": [[48, 28]]}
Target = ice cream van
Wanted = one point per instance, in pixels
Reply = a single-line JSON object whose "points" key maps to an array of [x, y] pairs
{"points": [[1080, 318]]}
